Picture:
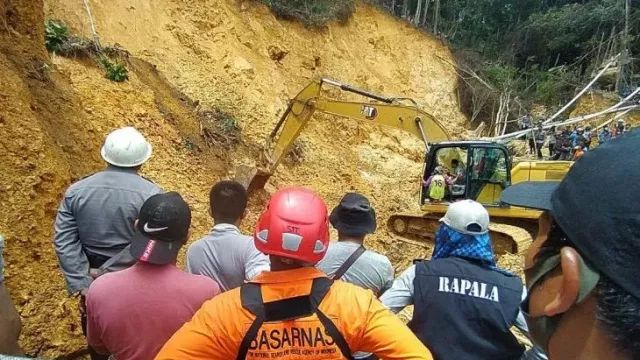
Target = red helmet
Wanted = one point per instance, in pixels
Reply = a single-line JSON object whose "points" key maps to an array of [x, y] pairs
{"points": [[294, 225]]}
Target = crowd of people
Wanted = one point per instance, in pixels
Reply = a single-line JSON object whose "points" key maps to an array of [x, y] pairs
{"points": [[568, 143], [287, 292]]}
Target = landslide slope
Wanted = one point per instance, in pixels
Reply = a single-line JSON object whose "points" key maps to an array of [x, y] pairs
{"points": [[188, 56]]}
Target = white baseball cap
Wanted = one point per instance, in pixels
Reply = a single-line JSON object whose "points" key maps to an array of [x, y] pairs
{"points": [[461, 215]]}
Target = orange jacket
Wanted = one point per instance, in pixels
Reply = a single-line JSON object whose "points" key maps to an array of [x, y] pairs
{"points": [[216, 330]]}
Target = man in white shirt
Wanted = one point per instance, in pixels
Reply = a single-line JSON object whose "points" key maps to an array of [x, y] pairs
{"points": [[225, 254]]}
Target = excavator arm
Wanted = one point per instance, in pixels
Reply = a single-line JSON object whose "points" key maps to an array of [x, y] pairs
{"points": [[391, 112]]}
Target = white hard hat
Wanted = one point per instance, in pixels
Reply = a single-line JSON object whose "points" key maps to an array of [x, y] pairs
{"points": [[126, 147], [461, 215]]}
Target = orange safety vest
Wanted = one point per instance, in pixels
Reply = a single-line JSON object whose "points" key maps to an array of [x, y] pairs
{"points": [[293, 315]]}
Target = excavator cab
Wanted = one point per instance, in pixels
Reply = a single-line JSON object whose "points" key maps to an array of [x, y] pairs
{"points": [[478, 170]]}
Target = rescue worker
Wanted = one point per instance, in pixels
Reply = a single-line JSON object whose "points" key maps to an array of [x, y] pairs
{"points": [[94, 223], [582, 268], [458, 172], [620, 127], [604, 135], [540, 139], [577, 153], [225, 254], [588, 136], [293, 311], [10, 322], [461, 293], [552, 141], [154, 298], [438, 184], [563, 147]]}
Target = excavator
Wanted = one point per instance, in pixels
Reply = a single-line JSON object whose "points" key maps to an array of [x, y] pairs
{"points": [[484, 168]]}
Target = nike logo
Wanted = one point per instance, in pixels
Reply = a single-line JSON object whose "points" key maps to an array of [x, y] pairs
{"points": [[152, 230]]}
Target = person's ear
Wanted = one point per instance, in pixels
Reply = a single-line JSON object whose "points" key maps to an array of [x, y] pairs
{"points": [[570, 284], [135, 226], [210, 212]]}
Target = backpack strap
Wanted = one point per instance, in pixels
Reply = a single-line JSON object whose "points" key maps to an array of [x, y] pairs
{"points": [[347, 264], [288, 309], [251, 298]]}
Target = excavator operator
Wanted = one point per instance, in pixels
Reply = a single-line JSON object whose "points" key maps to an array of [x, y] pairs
{"points": [[294, 311]]}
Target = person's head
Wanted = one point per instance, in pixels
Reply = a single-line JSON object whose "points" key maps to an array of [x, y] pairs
{"points": [[126, 148], [354, 217], [464, 232], [228, 202], [293, 229], [579, 131], [162, 228], [455, 163], [587, 128], [582, 269], [605, 128], [439, 170]]}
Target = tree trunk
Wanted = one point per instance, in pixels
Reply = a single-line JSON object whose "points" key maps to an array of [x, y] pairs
{"points": [[436, 17], [393, 7], [424, 13], [416, 18], [405, 9]]}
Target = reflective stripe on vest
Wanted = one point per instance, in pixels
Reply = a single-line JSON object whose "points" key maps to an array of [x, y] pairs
{"points": [[436, 188], [298, 307]]}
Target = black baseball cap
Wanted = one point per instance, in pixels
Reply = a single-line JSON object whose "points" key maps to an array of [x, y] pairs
{"points": [[163, 226], [597, 205], [354, 215]]}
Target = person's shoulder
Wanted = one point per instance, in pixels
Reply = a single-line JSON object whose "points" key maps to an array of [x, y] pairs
{"points": [[347, 290], [108, 282], [377, 257], [201, 283]]}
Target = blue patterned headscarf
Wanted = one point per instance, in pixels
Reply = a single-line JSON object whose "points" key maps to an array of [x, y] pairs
{"points": [[451, 243]]}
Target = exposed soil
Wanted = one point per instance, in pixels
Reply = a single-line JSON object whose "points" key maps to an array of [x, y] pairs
{"points": [[189, 58]]}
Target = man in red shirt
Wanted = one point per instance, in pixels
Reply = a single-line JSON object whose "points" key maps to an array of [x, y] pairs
{"points": [[132, 313]]}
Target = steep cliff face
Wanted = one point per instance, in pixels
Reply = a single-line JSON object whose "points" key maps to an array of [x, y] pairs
{"points": [[187, 57]]}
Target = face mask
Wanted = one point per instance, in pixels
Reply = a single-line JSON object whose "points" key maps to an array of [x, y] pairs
{"points": [[542, 327]]}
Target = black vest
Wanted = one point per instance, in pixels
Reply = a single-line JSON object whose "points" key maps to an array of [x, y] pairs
{"points": [[465, 311]]}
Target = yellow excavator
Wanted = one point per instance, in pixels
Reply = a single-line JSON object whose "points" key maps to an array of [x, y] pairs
{"points": [[482, 168]]}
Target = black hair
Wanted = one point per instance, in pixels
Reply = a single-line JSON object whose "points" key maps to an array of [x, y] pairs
{"points": [[228, 201], [455, 161], [617, 311]]}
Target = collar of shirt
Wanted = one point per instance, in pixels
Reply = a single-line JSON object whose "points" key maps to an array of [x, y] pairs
{"points": [[226, 227], [278, 277], [121, 169]]}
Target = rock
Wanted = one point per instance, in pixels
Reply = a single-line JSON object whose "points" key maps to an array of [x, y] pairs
{"points": [[242, 66]]}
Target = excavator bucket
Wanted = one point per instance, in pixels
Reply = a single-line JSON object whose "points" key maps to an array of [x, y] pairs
{"points": [[251, 177]]}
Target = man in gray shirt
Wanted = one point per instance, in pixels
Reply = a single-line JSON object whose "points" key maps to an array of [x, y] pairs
{"points": [[354, 218], [225, 254], [94, 223]]}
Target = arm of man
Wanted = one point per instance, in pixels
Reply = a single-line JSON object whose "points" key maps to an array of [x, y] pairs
{"points": [[401, 293], [255, 262], [93, 326], [205, 337], [72, 259], [388, 275], [10, 321], [386, 336]]}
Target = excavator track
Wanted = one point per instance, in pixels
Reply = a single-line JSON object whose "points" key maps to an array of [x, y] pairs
{"points": [[420, 230]]}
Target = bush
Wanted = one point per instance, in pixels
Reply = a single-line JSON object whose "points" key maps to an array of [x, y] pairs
{"points": [[313, 12], [219, 129], [114, 71], [55, 35]]}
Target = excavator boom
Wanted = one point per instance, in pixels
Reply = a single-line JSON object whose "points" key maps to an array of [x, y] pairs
{"points": [[391, 112]]}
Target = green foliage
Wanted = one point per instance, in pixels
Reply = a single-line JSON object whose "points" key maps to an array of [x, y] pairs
{"points": [[114, 71], [312, 12], [55, 35], [228, 123], [504, 77]]}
